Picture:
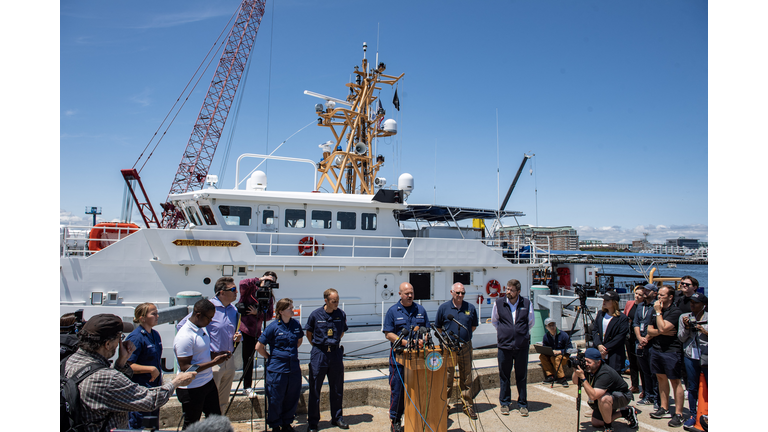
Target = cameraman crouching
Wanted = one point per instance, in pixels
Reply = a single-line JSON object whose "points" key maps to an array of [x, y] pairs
{"points": [[252, 292], [607, 391]]}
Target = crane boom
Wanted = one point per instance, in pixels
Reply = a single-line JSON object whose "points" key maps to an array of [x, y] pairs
{"points": [[205, 136]]}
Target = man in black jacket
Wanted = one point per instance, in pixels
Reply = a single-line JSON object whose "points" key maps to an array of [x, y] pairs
{"points": [[513, 318]]}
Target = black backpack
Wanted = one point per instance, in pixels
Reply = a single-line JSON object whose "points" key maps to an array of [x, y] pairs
{"points": [[71, 412]]}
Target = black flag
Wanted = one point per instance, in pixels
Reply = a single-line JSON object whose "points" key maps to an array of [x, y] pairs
{"points": [[396, 101]]}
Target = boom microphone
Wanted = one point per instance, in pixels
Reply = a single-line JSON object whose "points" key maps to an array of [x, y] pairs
{"points": [[452, 318], [403, 332]]}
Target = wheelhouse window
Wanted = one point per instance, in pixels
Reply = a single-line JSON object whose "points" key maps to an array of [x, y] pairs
{"points": [[321, 219], [193, 216], [236, 215], [346, 220], [295, 218], [368, 221], [208, 215]]}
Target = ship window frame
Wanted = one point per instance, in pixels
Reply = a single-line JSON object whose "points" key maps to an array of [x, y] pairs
{"points": [[243, 216], [344, 221], [208, 215], [193, 216], [321, 222], [368, 221], [292, 221], [264, 217]]}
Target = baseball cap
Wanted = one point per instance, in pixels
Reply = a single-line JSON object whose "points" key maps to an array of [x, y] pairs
{"points": [[611, 295], [699, 298], [651, 287], [106, 326], [593, 354], [548, 321]]}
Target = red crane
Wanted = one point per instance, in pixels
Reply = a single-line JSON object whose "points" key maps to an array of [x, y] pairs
{"points": [[201, 147]]}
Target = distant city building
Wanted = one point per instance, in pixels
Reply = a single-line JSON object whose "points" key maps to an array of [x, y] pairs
{"points": [[557, 238], [699, 252], [684, 242]]}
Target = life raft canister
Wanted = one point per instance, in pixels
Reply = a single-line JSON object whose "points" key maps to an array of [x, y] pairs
{"points": [[480, 299], [308, 246], [564, 277], [493, 288], [102, 234]]}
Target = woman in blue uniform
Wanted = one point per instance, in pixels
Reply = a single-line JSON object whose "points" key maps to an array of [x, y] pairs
{"points": [[283, 376], [145, 360]]}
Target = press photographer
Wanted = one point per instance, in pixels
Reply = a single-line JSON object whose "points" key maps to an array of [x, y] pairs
{"points": [[693, 332], [256, 304], [608, 393]]}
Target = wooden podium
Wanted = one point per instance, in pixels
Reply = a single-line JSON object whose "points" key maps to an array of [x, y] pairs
{"points": [[426, 382]]}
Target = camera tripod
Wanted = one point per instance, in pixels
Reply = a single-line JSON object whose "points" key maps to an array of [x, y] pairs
{"points": [[588, 320], [249, 365]]}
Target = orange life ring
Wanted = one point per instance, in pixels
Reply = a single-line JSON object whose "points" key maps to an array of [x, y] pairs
{"points": [[480, 299], [307, 246], [105, 233], [493, 288]]}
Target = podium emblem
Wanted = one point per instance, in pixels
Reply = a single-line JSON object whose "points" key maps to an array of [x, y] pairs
{"points": [[434, 361]]}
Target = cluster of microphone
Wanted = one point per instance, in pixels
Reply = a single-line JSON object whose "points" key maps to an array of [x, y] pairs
{"points": [[447, 339]]}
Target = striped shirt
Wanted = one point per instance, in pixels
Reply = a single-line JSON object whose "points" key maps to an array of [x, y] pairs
{"points": [[110, 393]]}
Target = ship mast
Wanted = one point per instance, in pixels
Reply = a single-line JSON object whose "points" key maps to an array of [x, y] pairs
{"points": [[348, 163]]}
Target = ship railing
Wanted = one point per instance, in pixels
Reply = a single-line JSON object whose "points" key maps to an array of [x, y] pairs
{"points": [[74, 240], [274, 244], [518, 251]]}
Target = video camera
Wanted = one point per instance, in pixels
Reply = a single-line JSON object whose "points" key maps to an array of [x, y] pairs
{"points": [[75, 327], [263, 296], [692, 323], [577, 360]]}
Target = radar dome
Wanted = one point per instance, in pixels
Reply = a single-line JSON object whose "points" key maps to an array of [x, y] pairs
{"points": [[257, 181], [405, 183], [390, 126]]}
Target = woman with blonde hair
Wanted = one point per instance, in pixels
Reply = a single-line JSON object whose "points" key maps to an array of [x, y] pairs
{"points": [[146, 359], [283, 375], [610, 331]]}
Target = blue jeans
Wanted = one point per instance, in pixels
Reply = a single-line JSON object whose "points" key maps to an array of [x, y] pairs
{"points": [[507, 360], [693, 369]]}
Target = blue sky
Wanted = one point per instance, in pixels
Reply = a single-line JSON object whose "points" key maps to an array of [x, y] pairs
{"points": [[611, 97]]}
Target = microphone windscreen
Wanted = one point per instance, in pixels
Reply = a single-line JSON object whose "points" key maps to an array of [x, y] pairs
{"points": [[214, 423], [450, 317]]}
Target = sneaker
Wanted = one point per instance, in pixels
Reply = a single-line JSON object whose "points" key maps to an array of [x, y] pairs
{"points": [[656, 405], [505, 410], [645, 401], [634, 390], [563, 381], [677, 421], [689, 423], [250, 392], [470, 412], [661, 413], [524, 411], [549, 379], [631, 417]]}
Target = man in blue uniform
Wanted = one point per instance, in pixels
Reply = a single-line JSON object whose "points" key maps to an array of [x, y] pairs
{"points": [[403, 315], [513, 318], [463, 324], [325, 328]]}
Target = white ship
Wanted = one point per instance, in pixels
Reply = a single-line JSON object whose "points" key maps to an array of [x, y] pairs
{"points": [[362, 238]]}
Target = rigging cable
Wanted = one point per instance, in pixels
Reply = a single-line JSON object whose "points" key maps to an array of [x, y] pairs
{"points": [[210, 52], [269, 79]]}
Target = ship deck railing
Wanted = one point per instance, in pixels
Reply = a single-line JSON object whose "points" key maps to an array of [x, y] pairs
{"points": [[74, 242]]}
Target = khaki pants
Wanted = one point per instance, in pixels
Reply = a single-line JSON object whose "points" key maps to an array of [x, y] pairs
{"points": [[463, 359], [223, 375], [553, 365]]}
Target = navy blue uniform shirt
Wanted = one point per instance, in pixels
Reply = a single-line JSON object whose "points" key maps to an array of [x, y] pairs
{"points": [[149, 349], [399, 317], [320, 322], [282, 340], [465, 314]]}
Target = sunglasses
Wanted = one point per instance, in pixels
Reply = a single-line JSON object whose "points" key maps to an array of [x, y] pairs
{"points": [[685, 284], [233, 289], [459, 292]]}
